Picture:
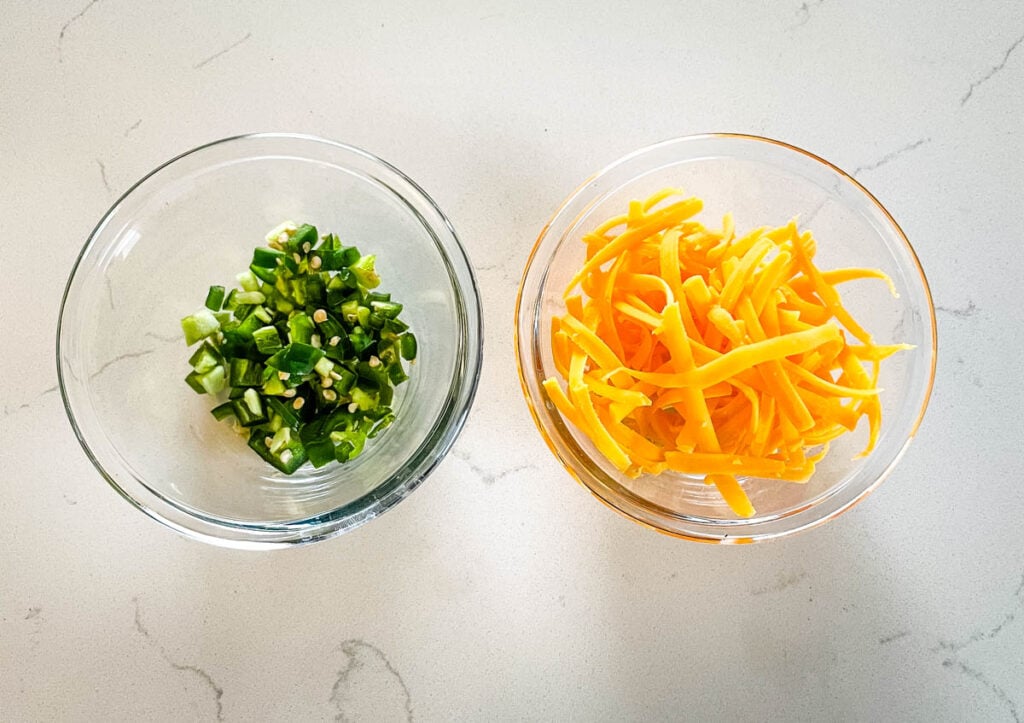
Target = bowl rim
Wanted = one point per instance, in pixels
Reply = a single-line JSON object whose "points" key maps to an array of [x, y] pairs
{"points": [[609, 501], [370, 504]]}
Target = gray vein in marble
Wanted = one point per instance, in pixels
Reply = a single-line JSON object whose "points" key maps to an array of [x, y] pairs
{"points": [[817, 210], [890, 156], [488, 476], [160, 337], [961, 312], [218, 692], [351, 649], [992, 632], [813, 214], [132, 127], [219, 53], [25, 405], [804, 13], [103, 175], [501, 266], [955, 647], [120, 357], [783, 582], [138, 619], [68, 24], [1011, 707], [507, 472], [33, 612], [894, 637], [992, 71], [897, 329], [110, 292]]}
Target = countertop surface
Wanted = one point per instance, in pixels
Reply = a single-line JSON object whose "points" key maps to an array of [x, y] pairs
{"points": [[501, 590]]}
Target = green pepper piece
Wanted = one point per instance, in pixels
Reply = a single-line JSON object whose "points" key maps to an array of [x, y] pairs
{"points": [[214, 298]]}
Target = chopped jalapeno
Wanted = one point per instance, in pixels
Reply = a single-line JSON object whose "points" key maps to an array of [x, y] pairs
{"points": [[307, 352]]}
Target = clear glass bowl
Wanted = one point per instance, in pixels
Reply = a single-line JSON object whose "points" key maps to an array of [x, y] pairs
{"points": [[193, 222], [762, 182]]}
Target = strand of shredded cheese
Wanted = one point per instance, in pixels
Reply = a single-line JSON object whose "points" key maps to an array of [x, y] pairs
{"points": [[703, 353]]}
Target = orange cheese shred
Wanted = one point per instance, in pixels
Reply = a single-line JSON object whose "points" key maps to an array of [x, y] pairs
{"points": [[694, 351]]}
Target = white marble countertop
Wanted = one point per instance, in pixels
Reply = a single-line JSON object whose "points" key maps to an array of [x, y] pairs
{"points": [[501, 590]]}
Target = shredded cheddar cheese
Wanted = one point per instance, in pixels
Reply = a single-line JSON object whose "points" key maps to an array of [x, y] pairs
{"points": [[692, 350]]}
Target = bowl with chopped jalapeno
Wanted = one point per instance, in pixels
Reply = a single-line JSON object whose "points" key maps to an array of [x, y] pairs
{"points": [[269, 340]]}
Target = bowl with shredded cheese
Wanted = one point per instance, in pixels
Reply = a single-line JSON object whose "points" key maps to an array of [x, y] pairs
{"points": [[725, 338]]}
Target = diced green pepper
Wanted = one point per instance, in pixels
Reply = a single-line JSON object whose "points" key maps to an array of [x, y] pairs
{"points": [[252, 401], [266, 258], [248, 327], [387, 309], [199, 325], [361, 341], [193, 381], [365, 272], [247, 280], [285, 411], [268, 341], [408, 346], [245, 373], [288, 459], [282, 437], [300, 327], [305, 234], [396, 374], [244, 414], [265, 275], [311, 356], [274, 386], [215, 298], [323, 367], [315, 290], [350, 311], [250, 297], [347, 379], [223, 411], [363, 316], [296, 358], [336, 260], [205, 358], [330, 327], [320, 451], [363, 399], [214, 380]]}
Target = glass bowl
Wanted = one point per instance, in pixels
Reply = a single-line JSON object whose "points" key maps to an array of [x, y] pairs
{"points": [[193, 222], [763, 183]]}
